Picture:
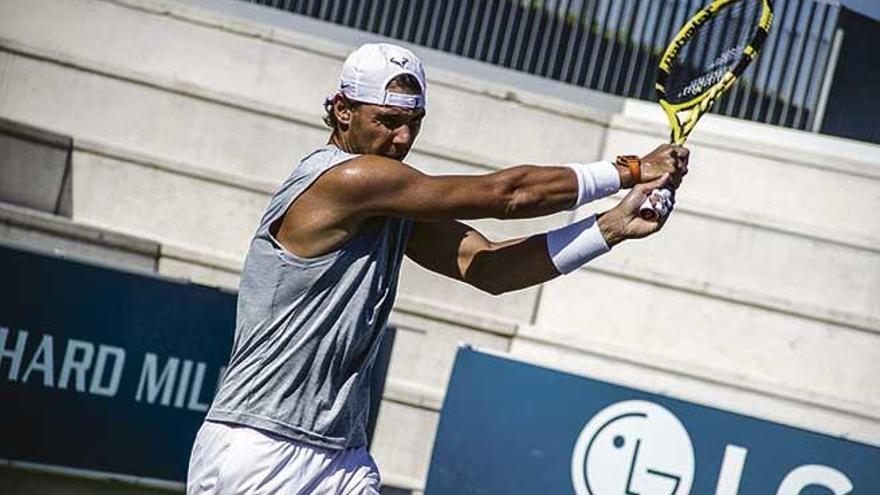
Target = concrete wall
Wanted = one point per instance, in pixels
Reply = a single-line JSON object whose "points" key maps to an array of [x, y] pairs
{"points": [[761, 296]]}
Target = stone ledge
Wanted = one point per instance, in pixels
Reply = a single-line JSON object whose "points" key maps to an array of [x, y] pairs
{"points": [[413, 394], [427, 309], [704, 374], [37, 220], [431, 149], [402, 481], [313, 35], [504, 328], [827, 153], [244, 104], [113, 237], [738, 296], [418, 306], [89, 474]]}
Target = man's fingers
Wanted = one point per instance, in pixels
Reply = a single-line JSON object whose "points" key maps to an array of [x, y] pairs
{"points": [[669, 158], [645, 188], [660, 181], [681, 154]]}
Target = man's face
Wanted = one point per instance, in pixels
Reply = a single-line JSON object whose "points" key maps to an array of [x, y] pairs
{"points": [[383, 130]]}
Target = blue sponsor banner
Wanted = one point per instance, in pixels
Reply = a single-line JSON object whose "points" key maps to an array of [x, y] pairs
{"points": [[108, 370], [509, 427]]}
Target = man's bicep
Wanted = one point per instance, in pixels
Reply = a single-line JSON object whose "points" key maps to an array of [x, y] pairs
{"points": [[376, 186], [445, 247]]}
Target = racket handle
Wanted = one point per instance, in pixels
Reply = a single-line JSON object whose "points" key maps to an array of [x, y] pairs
{"points": [[656, 205]]}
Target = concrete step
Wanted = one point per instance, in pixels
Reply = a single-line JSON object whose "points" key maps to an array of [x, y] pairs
{"points": [[403, 442], [288, 72], [769, 266], [792, 180], [795, 408], [695, 252], [167, 207], [713, 334]]}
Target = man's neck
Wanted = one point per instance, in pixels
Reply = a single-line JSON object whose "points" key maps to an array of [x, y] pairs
{"points": [[340, 142]]}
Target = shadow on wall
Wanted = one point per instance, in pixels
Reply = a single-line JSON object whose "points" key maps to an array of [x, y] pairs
{"points": [[35, 168]]}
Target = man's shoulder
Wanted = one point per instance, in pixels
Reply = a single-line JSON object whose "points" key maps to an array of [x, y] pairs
{"points": [[369, 170]]}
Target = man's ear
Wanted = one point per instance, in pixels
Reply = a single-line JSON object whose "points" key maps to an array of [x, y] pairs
{"points": [[342, 109]]}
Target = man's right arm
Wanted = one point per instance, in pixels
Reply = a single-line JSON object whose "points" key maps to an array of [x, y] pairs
{"points": [[377, 186], [333, 208]]}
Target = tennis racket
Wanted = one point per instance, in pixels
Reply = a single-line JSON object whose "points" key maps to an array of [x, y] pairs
{"points": [[701, 64]]}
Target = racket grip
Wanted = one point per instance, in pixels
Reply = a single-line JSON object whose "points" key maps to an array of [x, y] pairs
{"points": [[656, 205]]}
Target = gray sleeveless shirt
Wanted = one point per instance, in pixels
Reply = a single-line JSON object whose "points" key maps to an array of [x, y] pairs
{"points": [[308, 329]]}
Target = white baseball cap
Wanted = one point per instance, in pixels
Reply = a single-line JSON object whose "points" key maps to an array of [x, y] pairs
{"points": [[368, 70]]}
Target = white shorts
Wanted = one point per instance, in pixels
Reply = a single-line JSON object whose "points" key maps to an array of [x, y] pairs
{"points": [[237, 460]]}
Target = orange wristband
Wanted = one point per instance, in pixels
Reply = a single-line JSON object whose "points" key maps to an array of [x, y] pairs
{"points": [[633, 164]]}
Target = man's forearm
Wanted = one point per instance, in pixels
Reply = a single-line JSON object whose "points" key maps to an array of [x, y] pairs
{"points": [[516, 264], [532, 191], [511, 265]]}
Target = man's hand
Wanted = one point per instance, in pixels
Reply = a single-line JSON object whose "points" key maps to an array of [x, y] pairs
{"points": [[623, 221], [666, 159]]}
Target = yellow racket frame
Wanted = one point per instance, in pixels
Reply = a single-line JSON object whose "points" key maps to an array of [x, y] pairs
{"points": [[695, 108]]}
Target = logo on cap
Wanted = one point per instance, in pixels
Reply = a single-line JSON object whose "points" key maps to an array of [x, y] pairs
{"points": [[400, 63]]}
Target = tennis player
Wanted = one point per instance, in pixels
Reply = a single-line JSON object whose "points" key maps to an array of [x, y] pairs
{"points": [[321, 276]]}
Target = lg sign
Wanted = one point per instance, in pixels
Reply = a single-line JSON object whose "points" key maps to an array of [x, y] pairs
{"points": [[633, 443], [633, 447], [638, 447]]}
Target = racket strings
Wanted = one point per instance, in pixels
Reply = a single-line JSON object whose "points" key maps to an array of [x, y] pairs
{"points": [[715, 48]]}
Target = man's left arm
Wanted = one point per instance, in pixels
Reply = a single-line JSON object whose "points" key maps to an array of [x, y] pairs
{"points": [[461, 252]]}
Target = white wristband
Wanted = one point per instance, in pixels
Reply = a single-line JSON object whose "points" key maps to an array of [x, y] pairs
{"points": [[575, 244], [595, 180]]}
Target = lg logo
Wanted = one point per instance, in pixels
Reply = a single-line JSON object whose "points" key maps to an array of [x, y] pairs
{"points": [[633, 447], [640, 448]]}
